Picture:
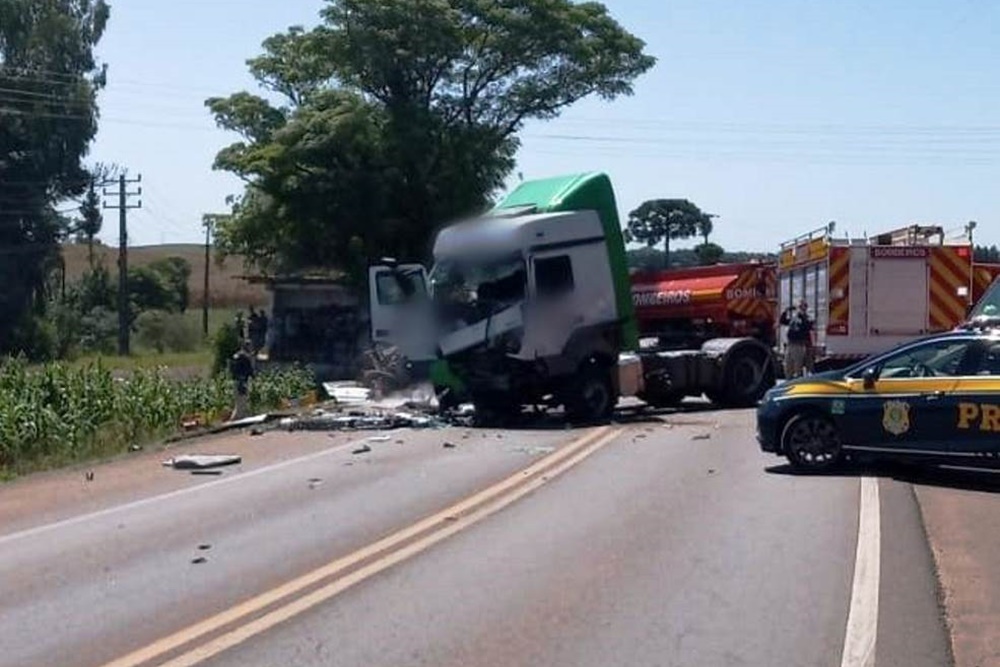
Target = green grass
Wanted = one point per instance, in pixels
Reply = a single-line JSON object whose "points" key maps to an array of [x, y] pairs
{"points": [[148, 360]]}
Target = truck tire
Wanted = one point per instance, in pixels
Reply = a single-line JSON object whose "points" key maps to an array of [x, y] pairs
{"points": [[592, 397], [745, 378]]}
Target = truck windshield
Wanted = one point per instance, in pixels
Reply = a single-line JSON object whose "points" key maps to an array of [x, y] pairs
{"points": [[988, 306], [479, 286]]}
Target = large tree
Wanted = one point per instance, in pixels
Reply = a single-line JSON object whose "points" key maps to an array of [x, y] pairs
{"points": [[664, 220], [399, 115], [49, 80]]}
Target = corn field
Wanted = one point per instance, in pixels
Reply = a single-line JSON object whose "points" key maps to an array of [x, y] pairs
{"points": [[57, 413]]}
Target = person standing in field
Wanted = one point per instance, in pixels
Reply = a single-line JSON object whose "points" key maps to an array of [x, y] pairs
{"points": [[242, 370], [798, 346]]}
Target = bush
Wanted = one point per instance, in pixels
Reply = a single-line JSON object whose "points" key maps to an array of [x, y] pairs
{"points": [[162, 331], [224, 346]]}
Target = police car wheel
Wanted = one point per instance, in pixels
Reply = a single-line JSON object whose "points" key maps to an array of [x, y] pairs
{"points": [[811, 442]]}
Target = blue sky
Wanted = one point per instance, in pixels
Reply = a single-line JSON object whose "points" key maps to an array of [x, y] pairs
{"points": [[777, 116]]}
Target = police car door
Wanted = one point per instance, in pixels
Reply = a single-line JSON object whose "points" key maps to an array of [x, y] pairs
{"points": [[910, 405], [975, 418]]}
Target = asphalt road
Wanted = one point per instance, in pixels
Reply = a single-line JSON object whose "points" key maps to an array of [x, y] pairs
{"points": [[673, 543]]}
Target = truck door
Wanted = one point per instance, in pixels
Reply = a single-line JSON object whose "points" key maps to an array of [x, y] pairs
{"points": [[401, 311]]}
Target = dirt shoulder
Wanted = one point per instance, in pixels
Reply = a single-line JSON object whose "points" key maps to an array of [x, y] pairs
{"points": [[962, 518]]}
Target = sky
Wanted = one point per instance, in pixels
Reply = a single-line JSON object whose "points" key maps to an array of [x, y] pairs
{"points": [[776, 116]]}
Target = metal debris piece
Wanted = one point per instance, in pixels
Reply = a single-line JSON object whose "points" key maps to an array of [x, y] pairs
{"points": [[200, 461], [363, 449], [702, 436], [204, 547], [449, 445], [211, 473], [249, 421], [380, 438], [347, 393], [199, 560], [314, 482]]}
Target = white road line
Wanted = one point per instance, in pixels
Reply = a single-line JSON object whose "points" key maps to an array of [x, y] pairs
{"points": [[38, 530], [862, 620]]}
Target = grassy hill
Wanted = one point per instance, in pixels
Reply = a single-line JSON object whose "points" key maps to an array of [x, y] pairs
{"points": [[226, 290]]}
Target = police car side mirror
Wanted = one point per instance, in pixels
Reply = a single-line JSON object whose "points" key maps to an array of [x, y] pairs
{"points": [[870, 376]]}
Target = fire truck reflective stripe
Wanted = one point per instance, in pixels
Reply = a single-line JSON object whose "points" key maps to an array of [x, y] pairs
{"points": [[948, 273], [839, 285]]}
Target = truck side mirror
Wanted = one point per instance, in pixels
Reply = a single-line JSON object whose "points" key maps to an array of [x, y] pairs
{"points": [[870, 376]]}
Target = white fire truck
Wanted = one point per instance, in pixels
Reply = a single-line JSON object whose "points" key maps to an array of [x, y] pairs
{"points": [[870, 294]]}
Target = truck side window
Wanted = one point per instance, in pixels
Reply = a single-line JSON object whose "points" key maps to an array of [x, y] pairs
{"points": [[390, 292], [553, 276]]}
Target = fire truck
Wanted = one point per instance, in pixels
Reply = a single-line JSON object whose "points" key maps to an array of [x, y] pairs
{"points": [[683, 308], [870, 294]]}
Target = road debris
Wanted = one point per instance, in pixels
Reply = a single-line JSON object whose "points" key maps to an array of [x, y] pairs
{"points": [[702, 436], [363, 449], [532, 451], [367, 420], [89, 476], [347, 393], [199, 560], [204, 547], [135, 448], [249, 421], [380, 438], [211, 473], [256, 431], [314, 482], [449, 445], [201, 461]]}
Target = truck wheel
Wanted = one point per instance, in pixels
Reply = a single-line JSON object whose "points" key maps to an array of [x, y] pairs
{"points": [[811, 442], [746, 381], [592, 398], [495, 414]]}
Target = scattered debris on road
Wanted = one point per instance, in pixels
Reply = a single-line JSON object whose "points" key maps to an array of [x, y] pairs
{"points": [[204, 547], [449, 445], [212, 473], [702, 436], [380, 438], [135, 448], [256, 431], [363, 449], [199, 560], [314, 482], [202, 461], [89, 476], [347, 393]]}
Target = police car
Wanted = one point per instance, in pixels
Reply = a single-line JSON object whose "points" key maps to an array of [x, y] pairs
{"points": [[936, 399]]}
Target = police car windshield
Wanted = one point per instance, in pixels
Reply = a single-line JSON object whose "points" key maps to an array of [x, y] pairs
{"points": [[932, 358]]}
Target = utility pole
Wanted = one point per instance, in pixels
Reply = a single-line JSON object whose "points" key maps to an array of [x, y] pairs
{"points": [[207, 221], [123, 207]]}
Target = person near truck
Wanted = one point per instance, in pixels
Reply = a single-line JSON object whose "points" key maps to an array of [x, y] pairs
{"points": [[798, 347]]}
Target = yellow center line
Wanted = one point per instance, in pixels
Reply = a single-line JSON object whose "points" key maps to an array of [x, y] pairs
{"points": [[468, 511]]}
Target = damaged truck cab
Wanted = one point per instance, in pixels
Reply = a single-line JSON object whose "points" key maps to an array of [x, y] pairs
{"points": [[532, 304]]}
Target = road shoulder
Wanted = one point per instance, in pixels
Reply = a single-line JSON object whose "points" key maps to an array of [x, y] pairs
{"points": [[963, 529]]}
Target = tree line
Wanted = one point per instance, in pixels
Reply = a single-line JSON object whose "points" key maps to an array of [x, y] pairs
{"points": [[384, 121]]}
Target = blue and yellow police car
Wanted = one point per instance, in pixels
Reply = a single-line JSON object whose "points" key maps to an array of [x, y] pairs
{"points": [[936, 399]]}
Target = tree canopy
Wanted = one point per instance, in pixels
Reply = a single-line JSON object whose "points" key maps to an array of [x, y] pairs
{"points": [[49, 80], [663, 220], [400, 115]]}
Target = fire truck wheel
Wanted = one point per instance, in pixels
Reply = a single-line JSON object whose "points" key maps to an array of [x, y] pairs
{"points": [[811, 442]]}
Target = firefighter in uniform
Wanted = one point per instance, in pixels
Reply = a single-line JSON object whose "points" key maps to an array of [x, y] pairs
{"points": [[798, 348]]}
